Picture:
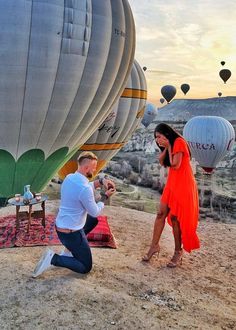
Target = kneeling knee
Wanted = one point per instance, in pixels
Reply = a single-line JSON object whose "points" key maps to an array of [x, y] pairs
{"points": [[87, 269]]}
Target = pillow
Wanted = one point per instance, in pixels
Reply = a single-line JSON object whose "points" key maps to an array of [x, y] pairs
{"points": [[101, 233]]}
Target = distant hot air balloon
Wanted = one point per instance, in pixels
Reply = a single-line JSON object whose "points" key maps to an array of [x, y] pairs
{"points": [[219, 94], [144, 68], [119, 125], [185, 88], [225, 74], [210, 138], [63, 65], [222, 63], [162, 100], [168, 92], [149, 114]]}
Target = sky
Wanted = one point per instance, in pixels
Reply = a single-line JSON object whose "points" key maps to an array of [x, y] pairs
{"points": [[185, 42]]}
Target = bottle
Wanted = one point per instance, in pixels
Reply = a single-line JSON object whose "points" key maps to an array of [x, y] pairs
{"points": [[27, 194]]}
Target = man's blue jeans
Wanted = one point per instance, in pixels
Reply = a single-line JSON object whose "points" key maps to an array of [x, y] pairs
{"points": [[77, 243]]}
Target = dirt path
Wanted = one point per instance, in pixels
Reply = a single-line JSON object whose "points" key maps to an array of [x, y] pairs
{"points": [[122, 292]]}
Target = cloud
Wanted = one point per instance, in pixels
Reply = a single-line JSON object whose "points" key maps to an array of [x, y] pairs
{"points": [[147, 33], [186, 41]]}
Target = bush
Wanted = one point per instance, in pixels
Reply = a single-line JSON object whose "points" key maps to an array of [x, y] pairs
{"points": [[137, 163], [126, 169], [133, 178], [146, 179]]}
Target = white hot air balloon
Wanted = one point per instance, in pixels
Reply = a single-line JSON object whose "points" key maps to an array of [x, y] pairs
{"points": [[210, 138], [149, 114], [63, 65], [120, 124]]}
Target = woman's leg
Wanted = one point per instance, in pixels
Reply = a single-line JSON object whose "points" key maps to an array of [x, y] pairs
{"points": [[176, 232], [157, 231], [177, 257]]}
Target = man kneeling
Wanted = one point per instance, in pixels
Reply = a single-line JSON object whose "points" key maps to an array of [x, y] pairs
{"points": [[77, 217]]}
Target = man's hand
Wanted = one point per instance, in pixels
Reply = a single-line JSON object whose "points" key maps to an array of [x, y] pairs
{"points": [[105, 195], [110, 192], [108, 184], [105, 182]]}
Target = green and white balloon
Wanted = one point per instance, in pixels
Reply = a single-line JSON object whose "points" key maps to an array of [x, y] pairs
{"points": [[63, 65]]}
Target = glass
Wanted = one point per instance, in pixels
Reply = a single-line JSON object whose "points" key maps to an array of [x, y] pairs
{"points": [[17, 198], [38, 197]]}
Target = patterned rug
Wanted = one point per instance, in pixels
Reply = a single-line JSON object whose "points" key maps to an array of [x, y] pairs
{"points": [[100, 236]]}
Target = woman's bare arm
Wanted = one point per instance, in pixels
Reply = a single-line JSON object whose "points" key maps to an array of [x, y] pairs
{"points": [[176, 159]]}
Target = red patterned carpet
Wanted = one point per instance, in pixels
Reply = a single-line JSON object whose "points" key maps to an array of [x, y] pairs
{"points": [[101, 236]]}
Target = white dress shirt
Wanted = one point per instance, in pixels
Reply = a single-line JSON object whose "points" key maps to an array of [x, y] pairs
{"points": [[77, 199]]}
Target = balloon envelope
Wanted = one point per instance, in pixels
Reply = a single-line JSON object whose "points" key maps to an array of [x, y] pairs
{"points": [[185, 88], [119, 125], [144, 68], [62, 68], [149, 114], [222, 62], [162, 100], [225, 74], [210, 138], [168, 92], [219, 94]]}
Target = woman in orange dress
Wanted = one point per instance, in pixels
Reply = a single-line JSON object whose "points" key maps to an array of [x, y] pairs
{"points": [[179, 200]]}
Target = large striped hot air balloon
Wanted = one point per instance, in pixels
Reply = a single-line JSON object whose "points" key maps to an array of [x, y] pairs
{"points": [[210, 138], [63, 65], [120, 124]]}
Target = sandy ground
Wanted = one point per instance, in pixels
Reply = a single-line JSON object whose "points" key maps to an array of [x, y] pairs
{"points": [[122, 292]]}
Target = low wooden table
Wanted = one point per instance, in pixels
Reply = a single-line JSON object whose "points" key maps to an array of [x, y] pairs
{"points": [[36, 214]]}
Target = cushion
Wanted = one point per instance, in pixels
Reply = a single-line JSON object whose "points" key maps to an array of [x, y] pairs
{"points": [[102, 233]]}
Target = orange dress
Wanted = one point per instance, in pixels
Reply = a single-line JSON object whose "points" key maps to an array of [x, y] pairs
{"points": [[181, 196]]}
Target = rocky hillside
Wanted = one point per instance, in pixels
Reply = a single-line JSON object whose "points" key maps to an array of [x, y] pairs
{"points": [[181, 110], [177, 113]]}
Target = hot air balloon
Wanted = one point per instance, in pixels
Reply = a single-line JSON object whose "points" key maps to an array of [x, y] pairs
{"points": [[149, 114], [219, 94], [119, 125], [225, 74], [185, 88], [62, 68], [210, 138], [144, 68], [222, 63], [162, 100], [168, 92]]}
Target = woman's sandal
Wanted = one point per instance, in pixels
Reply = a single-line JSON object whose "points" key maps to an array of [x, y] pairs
{"points": [[151, 253], [176, 259]]}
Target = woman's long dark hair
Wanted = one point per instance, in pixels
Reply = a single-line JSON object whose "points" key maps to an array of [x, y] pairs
{"points": [[171, 134]]}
